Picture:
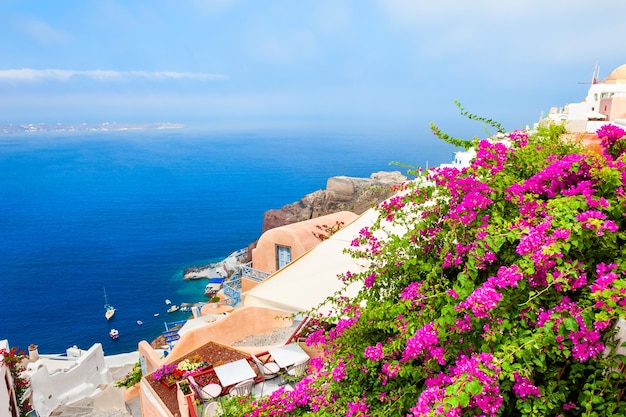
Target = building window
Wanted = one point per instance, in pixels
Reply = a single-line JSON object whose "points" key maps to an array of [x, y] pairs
{"points": [[283, 256]]}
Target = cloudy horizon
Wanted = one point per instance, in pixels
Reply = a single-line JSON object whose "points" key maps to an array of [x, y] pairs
{"points": [[354, 63]]}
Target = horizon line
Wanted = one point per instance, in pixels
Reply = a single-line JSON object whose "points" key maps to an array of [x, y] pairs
{"points": [[63, 75]]}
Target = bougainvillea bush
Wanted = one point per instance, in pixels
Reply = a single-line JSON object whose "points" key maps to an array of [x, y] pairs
{"points": [[501, 297], [14, 360]]}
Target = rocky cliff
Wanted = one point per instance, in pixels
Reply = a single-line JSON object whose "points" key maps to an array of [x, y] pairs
{"points": [[341, 193]]}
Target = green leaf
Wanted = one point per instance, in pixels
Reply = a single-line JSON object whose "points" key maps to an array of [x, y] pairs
{"points": [[464, 399], [474, 387], [570, 323]]}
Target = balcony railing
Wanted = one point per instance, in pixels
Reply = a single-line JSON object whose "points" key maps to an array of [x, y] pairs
{"points": [[232, 287], [254, 274]]}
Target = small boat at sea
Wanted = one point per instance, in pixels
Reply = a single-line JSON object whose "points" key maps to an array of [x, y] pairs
{"points": [[114, 333], [156, 314], [139, 322], [109, 310], [173, 308], [168, 302]]}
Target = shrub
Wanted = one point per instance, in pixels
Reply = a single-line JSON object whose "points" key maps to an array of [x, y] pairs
{"points": [[13, 359], [132, 378], [501, 296]]}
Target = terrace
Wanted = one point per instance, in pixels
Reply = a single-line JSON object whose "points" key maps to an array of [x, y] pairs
{"points": [[213, 355]]}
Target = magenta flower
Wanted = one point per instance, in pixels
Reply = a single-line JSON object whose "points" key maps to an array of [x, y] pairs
{"points": [[374, 353], [482, 301], [523, 387]]}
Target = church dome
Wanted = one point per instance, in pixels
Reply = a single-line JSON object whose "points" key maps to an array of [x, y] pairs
{"points": [[617, 76]]}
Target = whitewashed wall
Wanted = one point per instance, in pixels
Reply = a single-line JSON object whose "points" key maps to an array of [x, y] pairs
{"points": [[70, 384]]}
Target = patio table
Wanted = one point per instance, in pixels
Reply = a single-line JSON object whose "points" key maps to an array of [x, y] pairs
{"points": [[288, 355], [234, 372]]}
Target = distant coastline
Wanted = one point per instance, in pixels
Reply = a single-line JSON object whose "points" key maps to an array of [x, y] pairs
{"points": [[7, 129]]}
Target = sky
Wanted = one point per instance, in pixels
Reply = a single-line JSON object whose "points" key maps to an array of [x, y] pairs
{"points": [[301, 63]]}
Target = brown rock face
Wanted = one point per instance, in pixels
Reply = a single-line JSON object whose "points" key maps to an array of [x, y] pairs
{"points": [[341, 193]]}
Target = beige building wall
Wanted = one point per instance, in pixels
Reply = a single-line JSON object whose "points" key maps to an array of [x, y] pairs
{"points": [[298, 237], [242, 322], [613, 107]]}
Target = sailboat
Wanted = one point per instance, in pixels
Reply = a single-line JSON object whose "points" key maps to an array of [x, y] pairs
{"points": [[109, 310]]}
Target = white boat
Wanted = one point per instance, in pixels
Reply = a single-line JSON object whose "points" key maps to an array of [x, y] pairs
{"points": [[139, 322], [114, 333], [109, 310], [173, 308], [168, 302]]}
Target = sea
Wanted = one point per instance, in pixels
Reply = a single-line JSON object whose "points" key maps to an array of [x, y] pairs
{"points": [[127, 211]]}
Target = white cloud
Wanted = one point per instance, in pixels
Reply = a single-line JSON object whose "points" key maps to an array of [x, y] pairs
{"points": [[42, 32], [35, 75]]}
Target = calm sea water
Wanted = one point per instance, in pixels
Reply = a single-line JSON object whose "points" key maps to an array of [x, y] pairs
{"points": [[130, 210]]}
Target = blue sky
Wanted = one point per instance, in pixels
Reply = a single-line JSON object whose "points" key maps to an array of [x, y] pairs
{"points": [[257, 63]]}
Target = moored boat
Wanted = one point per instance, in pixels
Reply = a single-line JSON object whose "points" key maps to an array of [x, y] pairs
{"points": [[109, 310], [173, 308], [114, 333]]}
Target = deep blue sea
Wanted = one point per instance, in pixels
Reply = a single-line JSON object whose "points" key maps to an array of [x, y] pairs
{"points": [[129, 210]]}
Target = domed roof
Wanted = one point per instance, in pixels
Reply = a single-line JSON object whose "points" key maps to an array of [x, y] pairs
{"points": [[617, 76]]}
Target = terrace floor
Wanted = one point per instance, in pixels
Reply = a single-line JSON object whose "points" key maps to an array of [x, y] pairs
{"points": [[214, 354]]}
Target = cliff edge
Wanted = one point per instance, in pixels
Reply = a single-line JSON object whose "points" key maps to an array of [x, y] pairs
{"points": [[341, 193]]}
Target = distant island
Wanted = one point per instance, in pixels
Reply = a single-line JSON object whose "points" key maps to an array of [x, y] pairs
{"points": [[6, 129]]}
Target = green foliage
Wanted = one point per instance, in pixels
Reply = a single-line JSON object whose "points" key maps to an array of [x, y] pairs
{"points": [[495, 290], [132, 378], [464, 143]]}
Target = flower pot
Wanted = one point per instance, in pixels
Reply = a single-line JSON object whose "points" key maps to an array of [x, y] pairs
{"points": [[169, 385], [186, 401]]}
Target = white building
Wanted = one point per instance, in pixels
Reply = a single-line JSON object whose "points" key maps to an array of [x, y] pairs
{"points": [[605, 102]]}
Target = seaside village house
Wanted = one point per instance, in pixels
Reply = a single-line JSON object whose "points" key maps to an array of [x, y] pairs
{"points": [[605, 102], [282, 254], [291, 272]]}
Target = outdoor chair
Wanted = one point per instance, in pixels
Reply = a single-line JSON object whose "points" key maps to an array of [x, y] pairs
{"points": [[210, 410], [243, 388], [207, 393], [268, 370], [296, 371]]}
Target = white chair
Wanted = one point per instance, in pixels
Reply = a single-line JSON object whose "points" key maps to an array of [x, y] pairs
{"points": [[268, 370], [244, 388], [210, 410], [207, 393], [298, 369]]}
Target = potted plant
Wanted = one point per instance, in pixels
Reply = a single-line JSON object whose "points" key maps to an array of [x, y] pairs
{"points": [[168, 374], [186, 399], [214, 301], [192, 365]]}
